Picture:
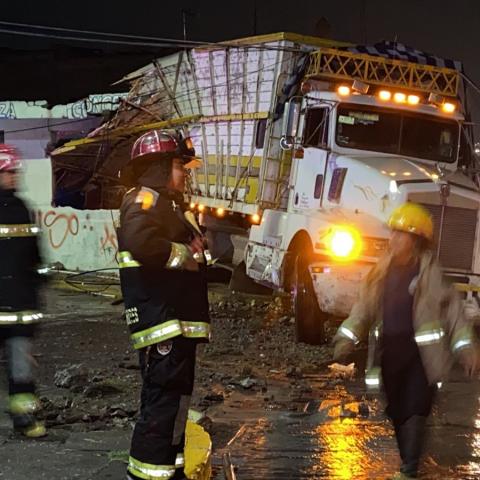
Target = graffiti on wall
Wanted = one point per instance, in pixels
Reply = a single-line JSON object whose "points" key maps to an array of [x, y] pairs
{"points": [[7, 110], [76, 237], [59, 227], [94, 104], [108, 242]]}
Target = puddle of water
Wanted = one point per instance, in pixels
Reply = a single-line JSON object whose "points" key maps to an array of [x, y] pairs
{"points": [[338, 437]]}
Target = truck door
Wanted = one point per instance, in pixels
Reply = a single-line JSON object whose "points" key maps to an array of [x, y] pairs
{"points": [[310, 170]]}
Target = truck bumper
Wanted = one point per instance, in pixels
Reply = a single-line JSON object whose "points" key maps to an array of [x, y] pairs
{"points": [[337, 286]]}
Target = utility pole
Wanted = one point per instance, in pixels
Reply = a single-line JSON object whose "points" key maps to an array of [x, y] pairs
{"points": [[363, 20], [185, 15]]}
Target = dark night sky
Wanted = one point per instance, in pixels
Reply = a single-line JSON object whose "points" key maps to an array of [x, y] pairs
{"points": [[450, 31]]}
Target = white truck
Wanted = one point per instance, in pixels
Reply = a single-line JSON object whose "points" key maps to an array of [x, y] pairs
{"points": [[307, 147]]}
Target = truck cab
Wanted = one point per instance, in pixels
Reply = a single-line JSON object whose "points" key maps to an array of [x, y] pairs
{"points": [[359, 151]]}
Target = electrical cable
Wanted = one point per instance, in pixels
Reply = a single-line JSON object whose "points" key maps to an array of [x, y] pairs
{"points": [[70, 280], [470, 82], [84, 39], [106, 34], [156, 42], [45, 126]]}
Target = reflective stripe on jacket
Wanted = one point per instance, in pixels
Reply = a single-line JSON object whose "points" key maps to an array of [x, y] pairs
{"points": [[438, 320], [162, 300], [19, 262]]}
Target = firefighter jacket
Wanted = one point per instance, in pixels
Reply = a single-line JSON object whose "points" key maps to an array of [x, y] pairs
{"points": [[440, 327], [162, 300], [19, 262]]}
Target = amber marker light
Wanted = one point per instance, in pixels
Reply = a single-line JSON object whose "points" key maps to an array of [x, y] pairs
{"points": [[255, 218], [385, 95], [413, 99], [400, 97], [201, 208], [344, 90], [220, 212], [448, 107]]}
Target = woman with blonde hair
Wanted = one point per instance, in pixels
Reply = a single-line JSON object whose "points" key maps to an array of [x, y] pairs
{"points": [[415, 325]]}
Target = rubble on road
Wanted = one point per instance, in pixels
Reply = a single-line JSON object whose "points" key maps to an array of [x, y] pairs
{"points": [[90, 380], [74, 376]]}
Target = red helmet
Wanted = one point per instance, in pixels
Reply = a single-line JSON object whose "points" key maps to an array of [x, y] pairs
{"points": [[157, 143], [9, 158]]}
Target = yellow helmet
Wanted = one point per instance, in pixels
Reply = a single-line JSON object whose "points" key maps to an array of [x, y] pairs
{"points": [[412, 218]]}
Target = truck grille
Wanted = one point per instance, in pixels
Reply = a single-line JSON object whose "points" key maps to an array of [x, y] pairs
{"points": [[457, 242]]}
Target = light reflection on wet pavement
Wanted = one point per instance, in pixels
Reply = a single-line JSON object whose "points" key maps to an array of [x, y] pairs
{"points": [[342, 435]]}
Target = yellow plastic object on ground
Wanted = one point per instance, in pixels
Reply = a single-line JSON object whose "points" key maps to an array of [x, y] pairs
{"points": [[198, 450]]}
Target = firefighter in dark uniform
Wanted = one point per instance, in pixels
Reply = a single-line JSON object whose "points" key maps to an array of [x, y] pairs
{"points": [[19, 284], [163, 278]]}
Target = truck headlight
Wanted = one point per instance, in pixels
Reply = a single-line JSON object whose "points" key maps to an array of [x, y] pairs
{"points": [[343, 243]]}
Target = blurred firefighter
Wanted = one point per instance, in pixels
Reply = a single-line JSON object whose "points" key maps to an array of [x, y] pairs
{"points": [[163, 278], [414, 323], [19, 300]]}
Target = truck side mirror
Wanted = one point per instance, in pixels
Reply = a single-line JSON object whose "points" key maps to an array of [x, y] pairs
{"points": [[291, 118]]}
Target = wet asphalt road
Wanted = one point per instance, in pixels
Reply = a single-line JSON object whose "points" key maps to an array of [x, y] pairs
{"points": [[343, 435], [331, 431]]}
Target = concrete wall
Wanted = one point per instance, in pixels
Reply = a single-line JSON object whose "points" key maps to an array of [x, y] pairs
{"points": [[78, 239]]}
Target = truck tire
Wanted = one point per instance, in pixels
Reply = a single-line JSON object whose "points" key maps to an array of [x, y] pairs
{"points": [[309, 319]]}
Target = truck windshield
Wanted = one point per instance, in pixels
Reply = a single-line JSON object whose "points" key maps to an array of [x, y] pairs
{"points": [[399, 132]]}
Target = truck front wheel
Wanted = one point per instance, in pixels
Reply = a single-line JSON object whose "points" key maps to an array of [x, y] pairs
{"points": [[309, 319]]}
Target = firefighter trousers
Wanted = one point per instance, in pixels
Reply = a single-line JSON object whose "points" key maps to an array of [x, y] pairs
{"points": [[158, 441], [23, 403], [407, 389], [410, 399]]}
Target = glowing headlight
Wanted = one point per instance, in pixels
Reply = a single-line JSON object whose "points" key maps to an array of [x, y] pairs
{"points": [[344, 243]]}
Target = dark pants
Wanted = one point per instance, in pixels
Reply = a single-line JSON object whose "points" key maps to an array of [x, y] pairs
{"points": [[17, 340], [406, 388], [409, 403], [159, 436]]}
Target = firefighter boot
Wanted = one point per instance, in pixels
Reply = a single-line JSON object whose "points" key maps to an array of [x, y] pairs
{"points": [[398, 438], [412, 434], [23, 407], [179, 474], [35, 430], [28, 426]]}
